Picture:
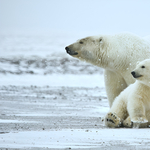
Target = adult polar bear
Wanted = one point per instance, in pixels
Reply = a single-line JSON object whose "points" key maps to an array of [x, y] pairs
{"points": [[117, 54]]}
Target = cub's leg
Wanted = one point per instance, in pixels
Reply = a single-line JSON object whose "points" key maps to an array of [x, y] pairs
{"points": [[117, 113], [114, 84], [112, 120], [129, 124], [136, 111]]}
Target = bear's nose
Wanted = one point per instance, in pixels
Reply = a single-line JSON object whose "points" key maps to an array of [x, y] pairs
{"points": [[133, 73], [70, 52], [67, 50]]}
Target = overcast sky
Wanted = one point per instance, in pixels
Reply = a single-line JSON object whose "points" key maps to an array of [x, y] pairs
{"points": [[94, 16]]}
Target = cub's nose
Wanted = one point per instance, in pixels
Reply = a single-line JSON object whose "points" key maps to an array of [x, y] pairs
{"points": [[133, 73]]}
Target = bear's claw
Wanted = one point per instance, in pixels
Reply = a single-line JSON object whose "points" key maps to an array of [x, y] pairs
{"points": [[112, 121]]}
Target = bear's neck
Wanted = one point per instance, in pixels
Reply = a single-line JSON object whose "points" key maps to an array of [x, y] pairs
{"points": [[109, 62]]}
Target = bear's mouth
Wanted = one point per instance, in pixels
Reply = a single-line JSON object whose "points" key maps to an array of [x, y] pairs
{"points": [[135, 75], [71, 52]]}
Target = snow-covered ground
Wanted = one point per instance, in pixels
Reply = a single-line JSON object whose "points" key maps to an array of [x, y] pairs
{"points": [[49, 100]]}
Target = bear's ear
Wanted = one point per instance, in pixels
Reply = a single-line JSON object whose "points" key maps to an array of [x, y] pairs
{"points": [[101, 40]]}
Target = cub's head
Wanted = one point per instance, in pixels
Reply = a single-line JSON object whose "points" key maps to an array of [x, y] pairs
{"points": [[142, 72], [85, 49]]}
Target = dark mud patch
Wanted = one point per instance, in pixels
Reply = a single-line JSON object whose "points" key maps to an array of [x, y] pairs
{"points": [[3, 132]]}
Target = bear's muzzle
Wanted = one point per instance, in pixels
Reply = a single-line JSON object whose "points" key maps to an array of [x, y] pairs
{"points": [[70, 52]]}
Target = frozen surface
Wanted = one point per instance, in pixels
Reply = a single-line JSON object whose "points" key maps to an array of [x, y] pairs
{"points": [[49, 100], [53, 80], [69, 138]]}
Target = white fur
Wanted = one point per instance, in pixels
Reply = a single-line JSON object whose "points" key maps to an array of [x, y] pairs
{"points": [[133, 101], [117, 54]]}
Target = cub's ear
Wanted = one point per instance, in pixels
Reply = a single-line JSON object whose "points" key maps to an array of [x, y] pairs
{"points": [[137, 62]]}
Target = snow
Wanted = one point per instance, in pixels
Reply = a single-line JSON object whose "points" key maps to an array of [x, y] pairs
{"points": [[51, 100], [74, 138], [12, 121], [53, 80]]}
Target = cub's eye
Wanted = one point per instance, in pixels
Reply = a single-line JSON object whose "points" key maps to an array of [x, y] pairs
{"points": [[81, 42], [143, 67]]}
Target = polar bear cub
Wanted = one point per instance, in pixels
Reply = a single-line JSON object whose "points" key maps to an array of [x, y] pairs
{"points": [[132, 106]]}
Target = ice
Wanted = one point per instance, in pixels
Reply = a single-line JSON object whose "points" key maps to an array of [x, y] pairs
{"points": [[13, 121], [51, 100], [53, 80], [48, 99], [70, 138]]}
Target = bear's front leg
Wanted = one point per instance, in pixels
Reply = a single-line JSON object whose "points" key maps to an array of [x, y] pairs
{"points": [[114, 84]]}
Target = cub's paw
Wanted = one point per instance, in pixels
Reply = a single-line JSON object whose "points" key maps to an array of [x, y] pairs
{"points": [[128, 123], [112, 121], [139, 119]]}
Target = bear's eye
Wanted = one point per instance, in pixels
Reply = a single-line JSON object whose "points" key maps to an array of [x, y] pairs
{"points": [[81, 42], [143, 67], [100, 40]]}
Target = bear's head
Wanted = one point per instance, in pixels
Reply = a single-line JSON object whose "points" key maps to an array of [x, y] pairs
{"points": [[142, 72], [87, 49]]}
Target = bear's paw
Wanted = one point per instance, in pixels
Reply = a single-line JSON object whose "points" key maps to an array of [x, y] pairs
{"points": [[139, 120], [112, 120], [128, 123]]}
